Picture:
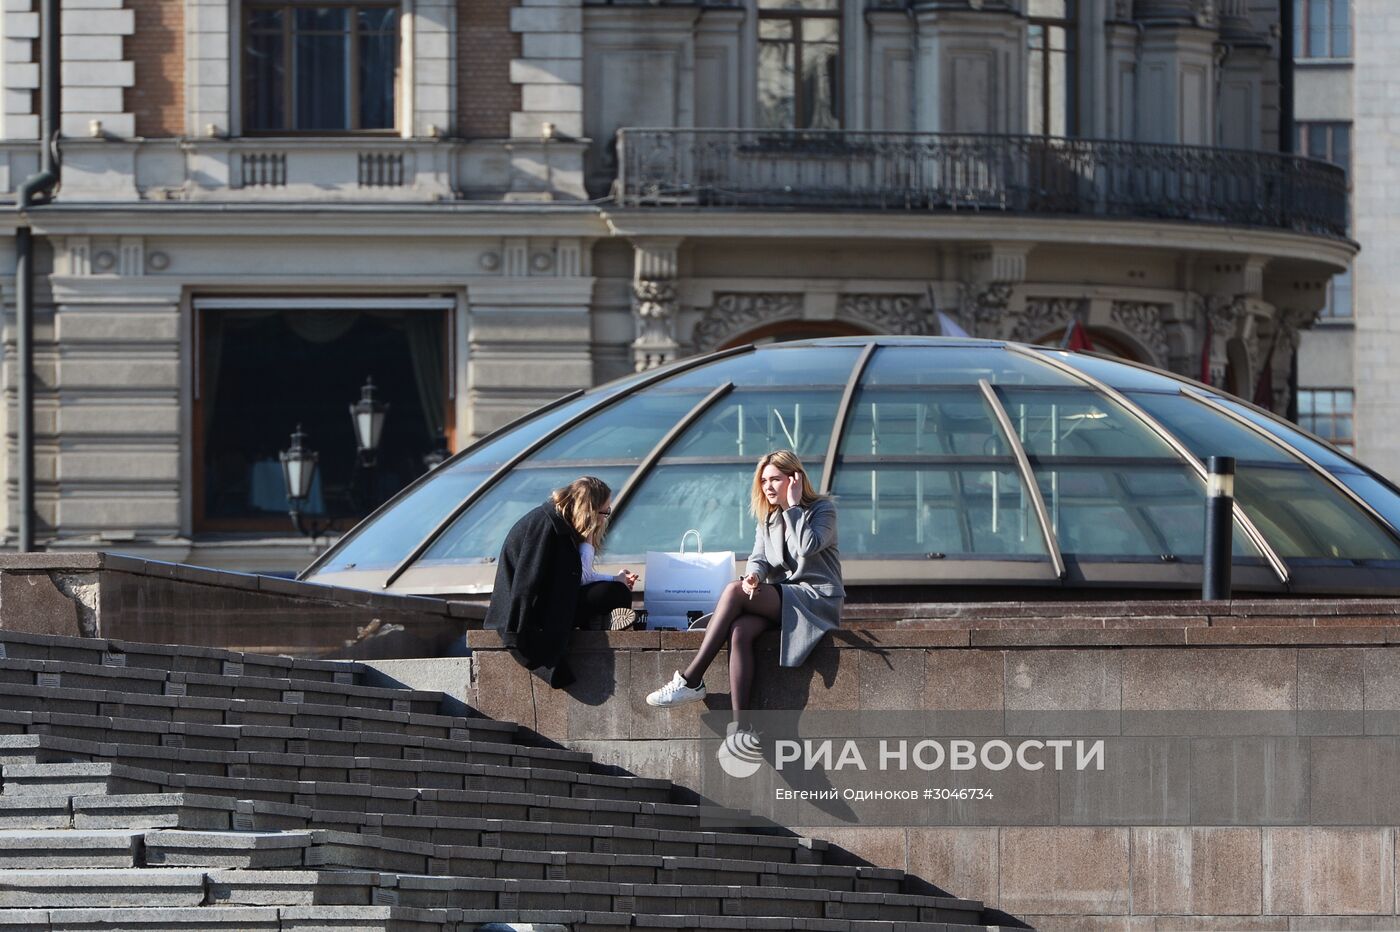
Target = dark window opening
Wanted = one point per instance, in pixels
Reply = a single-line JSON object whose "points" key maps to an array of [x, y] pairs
{"points": [[799, 64], [1050, 96], [263, 372], [319, 68]]}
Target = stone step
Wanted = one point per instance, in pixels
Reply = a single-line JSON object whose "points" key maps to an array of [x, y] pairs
{"points": [[441, 892], [69, 848], [392, 763], [175, 657], [72, 889], [339, 783], [409, 813], [58, 737], [145, 680], [243, 919], [246, 880], [21, 700]]}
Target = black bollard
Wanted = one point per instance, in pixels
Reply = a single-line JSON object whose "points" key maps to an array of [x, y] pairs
{"points": [[1220, 512]]}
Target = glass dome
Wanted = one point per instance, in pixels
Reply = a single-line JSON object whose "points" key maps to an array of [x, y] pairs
{"points": [[967, 465]]}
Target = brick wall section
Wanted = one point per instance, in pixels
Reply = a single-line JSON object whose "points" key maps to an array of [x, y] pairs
{"points": [[158, 50], [485, 47]]}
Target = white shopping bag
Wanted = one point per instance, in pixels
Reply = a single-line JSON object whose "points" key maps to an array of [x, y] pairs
{"points": [[682, 582]]}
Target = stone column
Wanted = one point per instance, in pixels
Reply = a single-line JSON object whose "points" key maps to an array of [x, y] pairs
{"points": [[971, 69], [655, 268], [1176, 73], [529, 331], [987, 292], [208, 73], [546, 151], [119, 429], [433, 25]]}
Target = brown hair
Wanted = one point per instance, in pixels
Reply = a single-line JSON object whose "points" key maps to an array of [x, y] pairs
{"points": [[787, 461], [579, 503]]}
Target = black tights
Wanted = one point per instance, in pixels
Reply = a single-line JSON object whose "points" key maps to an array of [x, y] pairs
{"points": [[738, 621], [598, 598]]}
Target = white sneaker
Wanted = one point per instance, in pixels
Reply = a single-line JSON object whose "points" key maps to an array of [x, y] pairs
{"points": [[676, 693]]}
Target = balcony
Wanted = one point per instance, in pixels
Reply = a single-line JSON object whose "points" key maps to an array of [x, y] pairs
{"points": [[835, 169]]}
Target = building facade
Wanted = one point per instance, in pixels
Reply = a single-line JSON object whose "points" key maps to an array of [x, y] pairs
{"points": [[483, 204], [1345, 109]]}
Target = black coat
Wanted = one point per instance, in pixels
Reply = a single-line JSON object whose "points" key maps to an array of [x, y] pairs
{"points": [[536, 592]]}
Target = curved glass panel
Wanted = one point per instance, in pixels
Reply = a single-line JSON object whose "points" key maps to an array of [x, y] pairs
{"points": [[385, 541], [1301, 515], [1261, 475], [391, 536], [478, 532], [1375, 493], [712, 499], [1319, 453], [1205, 433], [961, 365], [1117, 375], [750, 423], [911, 419], [1080, 422], [1126, 510], [907, 509], [626, 430], [778, 365]]}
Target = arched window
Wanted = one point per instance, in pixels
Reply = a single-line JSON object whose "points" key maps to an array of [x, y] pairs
{"points": [[799, 64], [1050, 68]]}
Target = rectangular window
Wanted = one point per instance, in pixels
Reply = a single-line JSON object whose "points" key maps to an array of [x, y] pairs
{"points": [[799, 64], [1338, 297], [1330, 142], [264, 371], [1322, 28], [321, 68], [1050, 96], [1327, 412]]}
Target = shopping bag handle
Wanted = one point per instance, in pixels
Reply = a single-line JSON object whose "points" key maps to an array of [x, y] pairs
{"points": [[699, 544]]}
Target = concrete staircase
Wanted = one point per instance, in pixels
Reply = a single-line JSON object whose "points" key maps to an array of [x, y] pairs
{"points": [[154, 787]]}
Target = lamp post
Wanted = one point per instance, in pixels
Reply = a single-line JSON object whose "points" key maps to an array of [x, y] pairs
{"points": [[299, 461], [298, 473], [368, 415]]}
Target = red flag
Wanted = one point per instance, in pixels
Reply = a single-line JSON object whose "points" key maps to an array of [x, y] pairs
{"points": [[1264, 388], [1076, 337]]}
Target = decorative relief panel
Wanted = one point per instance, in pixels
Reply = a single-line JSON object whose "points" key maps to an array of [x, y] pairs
{"points": [[1043, 315], [733, 313], [1144, 321], [981, 307], [888, 313]]}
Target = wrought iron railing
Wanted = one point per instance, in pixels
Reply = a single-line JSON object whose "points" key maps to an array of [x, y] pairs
{"points": [[826, 169]]}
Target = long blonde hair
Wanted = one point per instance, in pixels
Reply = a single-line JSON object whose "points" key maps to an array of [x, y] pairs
{"points": [[787, 461], [579, 503]]}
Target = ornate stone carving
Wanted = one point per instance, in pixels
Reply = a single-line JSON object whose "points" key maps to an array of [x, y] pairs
{"points": [[888, 313], [734, 312], [1143, 320], [655, 344], [981, 306], [1045, 314]]}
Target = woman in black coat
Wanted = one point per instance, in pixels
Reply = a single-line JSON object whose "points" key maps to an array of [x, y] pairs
{"points": [[545, 583]]}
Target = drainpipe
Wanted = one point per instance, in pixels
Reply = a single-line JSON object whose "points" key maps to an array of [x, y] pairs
{"points": [[1285, 78], [37, 189]]}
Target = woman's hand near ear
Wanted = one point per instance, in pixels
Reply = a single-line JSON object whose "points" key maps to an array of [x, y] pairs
{"points": [[792, 492]]}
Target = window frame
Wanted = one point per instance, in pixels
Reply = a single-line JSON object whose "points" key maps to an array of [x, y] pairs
{"points": [[1302, 23], [1070, 24], [1346, 444], [796, 17], [244, 11], [279, 525]]}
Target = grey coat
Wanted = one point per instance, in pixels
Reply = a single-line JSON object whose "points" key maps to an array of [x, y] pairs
{"points": [[810, 578]]}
